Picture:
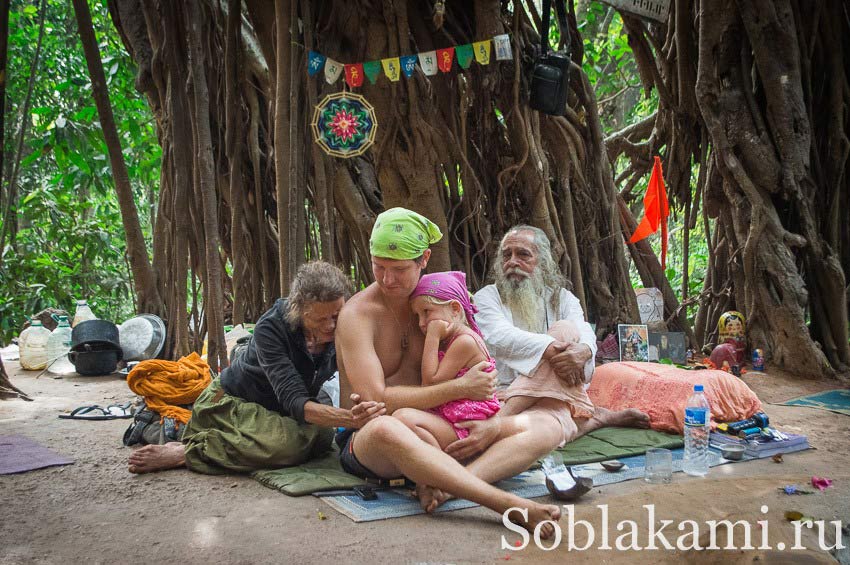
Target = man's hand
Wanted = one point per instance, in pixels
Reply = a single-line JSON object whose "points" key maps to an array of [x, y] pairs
{"points": [[569, 363], [482, 434], [554, 348], [478, 384], [363, 412]]}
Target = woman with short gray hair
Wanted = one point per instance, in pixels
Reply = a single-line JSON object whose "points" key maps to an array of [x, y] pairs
{"points": [[268, 409]]}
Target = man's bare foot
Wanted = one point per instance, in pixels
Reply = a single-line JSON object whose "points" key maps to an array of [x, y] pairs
{"points": [[538, 513], [602, 417], [157, 458], [431, 498]]}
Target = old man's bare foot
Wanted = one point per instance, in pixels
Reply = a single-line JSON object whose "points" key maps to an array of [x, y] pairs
{"points": [[537, 514], [602, 418], [431, 498], [152, 458]]}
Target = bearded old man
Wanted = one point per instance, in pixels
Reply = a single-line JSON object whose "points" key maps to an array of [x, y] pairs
{"points": [[544, 347]]}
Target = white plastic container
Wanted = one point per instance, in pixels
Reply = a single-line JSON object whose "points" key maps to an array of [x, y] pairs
{"points": [[83, 313], [58, 346], [33, 346]]}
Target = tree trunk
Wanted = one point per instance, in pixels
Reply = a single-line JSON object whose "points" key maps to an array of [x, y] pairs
{"points": [[205, 187], [144, 279], [7, 214], [4, 52], [7, 389]]}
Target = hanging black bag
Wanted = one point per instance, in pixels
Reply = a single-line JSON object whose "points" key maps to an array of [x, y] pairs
{"points": [[550, 77]]}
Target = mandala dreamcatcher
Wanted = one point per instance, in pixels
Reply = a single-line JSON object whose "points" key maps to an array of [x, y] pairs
{"points": [[344, 124]]}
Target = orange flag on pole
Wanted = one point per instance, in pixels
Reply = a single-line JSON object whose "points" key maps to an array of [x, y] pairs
{"points": [[655, 210]]}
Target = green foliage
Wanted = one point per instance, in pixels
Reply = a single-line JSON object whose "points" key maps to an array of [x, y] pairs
{"points": [[70, 241], [611, 68]]}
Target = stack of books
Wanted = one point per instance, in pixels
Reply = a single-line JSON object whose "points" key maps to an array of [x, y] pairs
{"points": [[762, 447]]}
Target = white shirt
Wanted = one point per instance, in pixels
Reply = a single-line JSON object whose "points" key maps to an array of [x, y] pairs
{"points": [[517, 351]]}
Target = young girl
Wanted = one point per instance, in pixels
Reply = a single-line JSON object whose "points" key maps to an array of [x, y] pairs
{"points": [[453, 344]]}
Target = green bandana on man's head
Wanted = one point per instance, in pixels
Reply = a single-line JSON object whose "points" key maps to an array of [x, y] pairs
{"points": [[402, 234]]}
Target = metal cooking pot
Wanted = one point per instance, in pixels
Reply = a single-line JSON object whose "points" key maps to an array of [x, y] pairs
{"points": [[142, 337], [93, 361], [101, 331]]}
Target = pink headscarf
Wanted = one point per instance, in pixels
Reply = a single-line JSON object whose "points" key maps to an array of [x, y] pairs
{"points": [[450, 285]]}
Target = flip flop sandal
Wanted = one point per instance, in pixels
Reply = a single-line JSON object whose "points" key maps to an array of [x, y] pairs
{"points": [[93, 412], [120, 411]]}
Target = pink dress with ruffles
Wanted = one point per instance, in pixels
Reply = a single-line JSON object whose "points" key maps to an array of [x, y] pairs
{"points": [[465, 409]]}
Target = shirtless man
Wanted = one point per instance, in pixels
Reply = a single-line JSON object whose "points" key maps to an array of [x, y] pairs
{"points": [[379, 352]]}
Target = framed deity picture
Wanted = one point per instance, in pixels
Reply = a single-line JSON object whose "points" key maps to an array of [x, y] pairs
{"points": [[634, 342]]}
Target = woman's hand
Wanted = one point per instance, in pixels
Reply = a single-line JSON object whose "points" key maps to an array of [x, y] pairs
{"points": [[364, 412]]}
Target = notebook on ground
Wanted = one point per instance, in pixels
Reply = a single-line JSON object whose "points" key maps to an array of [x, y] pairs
{"points": [[762, 448]]}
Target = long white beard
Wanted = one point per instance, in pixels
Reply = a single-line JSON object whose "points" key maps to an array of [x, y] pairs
{"points": [[525, 299]]}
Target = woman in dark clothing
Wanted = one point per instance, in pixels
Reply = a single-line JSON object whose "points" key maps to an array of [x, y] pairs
{"points": [[268, 409]]}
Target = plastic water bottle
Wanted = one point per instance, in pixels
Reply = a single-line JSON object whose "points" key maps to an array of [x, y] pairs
{"points": [[58, 346], [33, 346], [697, 418], [83, 313]]}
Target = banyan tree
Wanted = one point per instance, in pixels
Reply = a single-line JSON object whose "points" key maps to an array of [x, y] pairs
{"points": [[753, 96]]}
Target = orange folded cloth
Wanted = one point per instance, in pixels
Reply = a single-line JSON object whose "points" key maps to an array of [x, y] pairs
{"points": [[164, 384]]}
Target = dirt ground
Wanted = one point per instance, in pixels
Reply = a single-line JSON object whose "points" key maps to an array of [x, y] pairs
{"points": [[94, 511]]}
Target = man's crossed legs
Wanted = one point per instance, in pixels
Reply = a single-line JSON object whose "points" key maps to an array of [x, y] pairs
{"points": [[542, 413]]}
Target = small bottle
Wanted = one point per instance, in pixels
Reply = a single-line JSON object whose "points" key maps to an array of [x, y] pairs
{"points": [[33, 346], [83, 313], [758, 360], [697, 419], [58, 347]]}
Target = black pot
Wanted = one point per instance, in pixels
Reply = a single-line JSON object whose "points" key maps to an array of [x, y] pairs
{"points": [[95, 362], [101, 331]]}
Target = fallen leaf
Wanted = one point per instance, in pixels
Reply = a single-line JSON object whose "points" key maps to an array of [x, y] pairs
{"points": [[322, 516], [777, 458], [793, 515]]}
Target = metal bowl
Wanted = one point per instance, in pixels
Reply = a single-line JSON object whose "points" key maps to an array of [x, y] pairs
{"points": [[142, 337], [732, 452]]}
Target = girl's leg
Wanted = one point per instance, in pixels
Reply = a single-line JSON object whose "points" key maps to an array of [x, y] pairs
{"points": [[431, 428]]}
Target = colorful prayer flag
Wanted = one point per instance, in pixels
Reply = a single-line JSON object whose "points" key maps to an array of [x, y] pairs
{"points": [[391, 68], [332, 70], [372, 70], [428, 62], [315, 62], [354, 75], [408, 65], [503, 47], [655, 209], [445, 58], [464, 55], [482, 51]]}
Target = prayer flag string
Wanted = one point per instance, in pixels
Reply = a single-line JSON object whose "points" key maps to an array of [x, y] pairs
{"points": [[430, 62]]}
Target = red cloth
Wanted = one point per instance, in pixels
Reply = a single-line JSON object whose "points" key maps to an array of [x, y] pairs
{"points": [[655, 210], [663, 390]]}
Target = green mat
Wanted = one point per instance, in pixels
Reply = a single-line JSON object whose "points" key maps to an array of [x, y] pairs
{"points": [[837, 401], [318, 475], [608, 443], [614, 443]]}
